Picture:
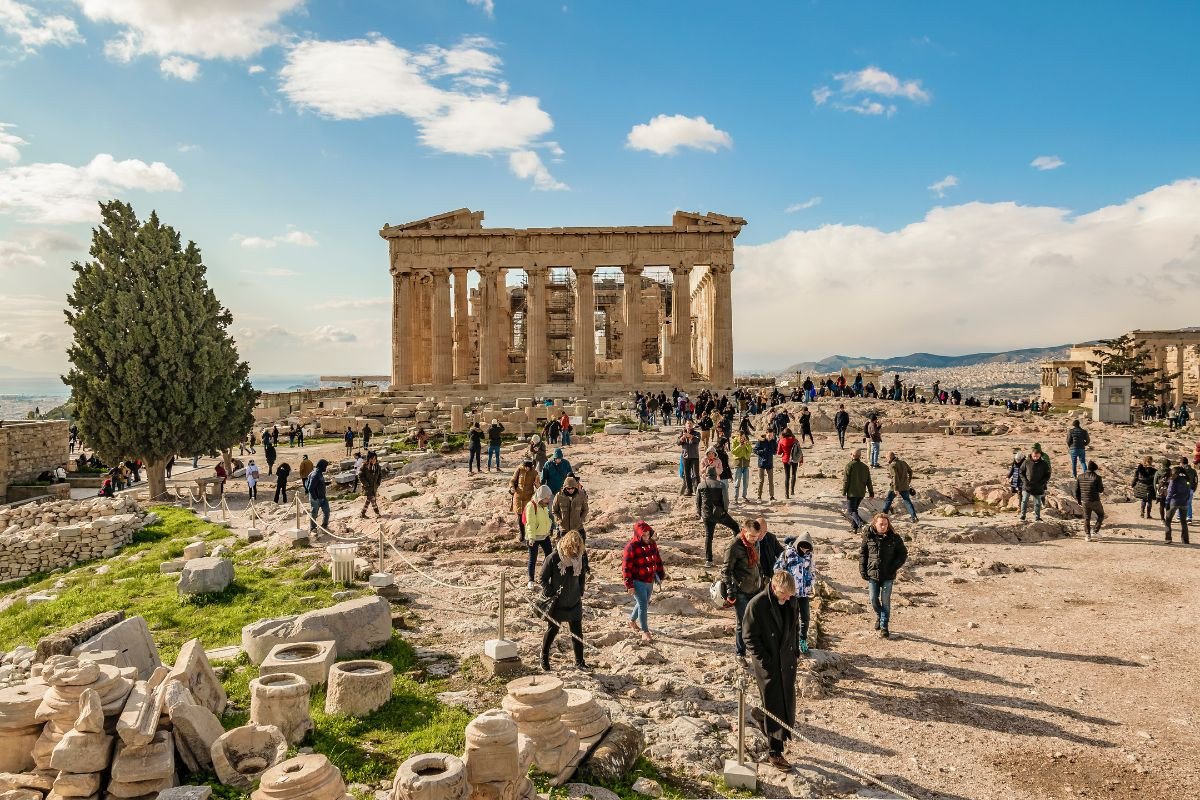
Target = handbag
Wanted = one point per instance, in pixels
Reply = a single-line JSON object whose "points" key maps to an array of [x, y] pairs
{"points": [[542, 604]]}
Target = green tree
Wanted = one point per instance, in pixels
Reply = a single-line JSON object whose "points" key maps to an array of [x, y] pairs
{"points": [[1125, 356], [154, 369]]}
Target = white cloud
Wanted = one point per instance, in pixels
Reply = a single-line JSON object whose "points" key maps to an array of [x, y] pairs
{"points": [[454, 95], [355, 304], [528, 165], [1046, 162], [281, 272], [18, 254], [200, 28], [60, 193], [991, 265], [299, 238], [10, 143], [807, 204], [665, 135], [179, 67], [864, 92], [183, 147], [30, 252], [939, 188], [34, 29], [488, 6], [254, 69], [332, 335]]}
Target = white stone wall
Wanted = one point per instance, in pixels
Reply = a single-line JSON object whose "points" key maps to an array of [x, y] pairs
{"points": [[39, 537]]}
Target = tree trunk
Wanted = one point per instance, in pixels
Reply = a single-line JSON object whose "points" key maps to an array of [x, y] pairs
{"points": [[227, 455], [156, 476]]}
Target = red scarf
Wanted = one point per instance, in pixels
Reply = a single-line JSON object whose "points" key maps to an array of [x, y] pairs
{"points": [[751, 550]]}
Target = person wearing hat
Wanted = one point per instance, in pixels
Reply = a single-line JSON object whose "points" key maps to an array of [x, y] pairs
{"points": [[537, 528], [537, 451], [797, 560], [252, 473], [712, 507], [1035, 477], [475, 448], [521, 486], [641, 568], [494, 432], [555, 471], [570, 507], [370, 476]]}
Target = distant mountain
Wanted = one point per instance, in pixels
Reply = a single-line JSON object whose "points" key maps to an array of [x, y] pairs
{"points": [[929, 360]]}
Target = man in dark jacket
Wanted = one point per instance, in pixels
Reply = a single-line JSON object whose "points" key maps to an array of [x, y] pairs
{"points": [[856, 484], [474, 448], [570, 507], [1077, 442], [370, 476], [841, 421], [1178, 494], [1035, 477], [743, 577], [765, 449], [772, 641], [281, 477], [882, 554], [901, 474], [495, 430], [1088, 488], [689, 449], [806, 426], [316, 496], [712, 510]]}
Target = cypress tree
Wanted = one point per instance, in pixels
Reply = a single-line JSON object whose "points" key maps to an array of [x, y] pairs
{"points": [[1124, 356], [154, 370]]}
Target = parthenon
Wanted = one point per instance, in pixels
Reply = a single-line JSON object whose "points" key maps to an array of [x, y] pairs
{"points": [[603, 307]]}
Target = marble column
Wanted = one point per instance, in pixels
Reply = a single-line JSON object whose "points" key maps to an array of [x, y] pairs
{"points": [[501, 325], [631, 347], [681, 318], [1179, 350], [721, 372], [537, 348], [1160, 365], [442, 373], [422, 374], [463, 356], [487, 320], [585, 326], [401, 341]]}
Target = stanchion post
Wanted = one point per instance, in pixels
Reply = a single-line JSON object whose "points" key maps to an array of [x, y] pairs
{"points": [[500, 610], [381, 549], [741, 721], [738, 774]]}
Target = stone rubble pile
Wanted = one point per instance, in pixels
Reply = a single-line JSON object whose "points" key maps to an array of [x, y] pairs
{"points": [[15, 666], [48, 536]]}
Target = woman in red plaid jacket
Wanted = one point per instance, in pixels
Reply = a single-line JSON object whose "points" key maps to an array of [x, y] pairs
{"points": [[641, 567]]}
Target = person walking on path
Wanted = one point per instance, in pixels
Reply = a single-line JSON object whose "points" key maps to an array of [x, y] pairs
{"points": [[792, 455], [281, 479], [689, 449], [315, 485], [564, 426], [841, 422], [1088, 488], [797, 560], [856, 484], [475, 448], [495, 430], [771, 641], [901, 474], [555, 471], [537, 528], [1035, 477], [570, 507], [1077, 442], [564, 578], [1178, 493], [1014, 472], [537, 452], [306, 469], [270, 453], [366, 436], [1190, 473], [712, 510], [741, 452], [873, 433], [765, 448], [641, 568], [370, 476], [1143, 486], [806, 427], [521, 486], [742, 576], [349, 438], [252, 475], [880, 558]]}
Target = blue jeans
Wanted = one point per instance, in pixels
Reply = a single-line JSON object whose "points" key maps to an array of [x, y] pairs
{"points": [[493, 449], [641, 603], [905, 496], [881, 600], [321, 505], [875, 454], [534, 544], [1080, 454], [473, 459], [741, 478], [740, 601], [1037, 504], [566, 437]]}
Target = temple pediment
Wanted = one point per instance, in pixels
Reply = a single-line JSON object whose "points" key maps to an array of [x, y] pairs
{"points": [[462, 219]]}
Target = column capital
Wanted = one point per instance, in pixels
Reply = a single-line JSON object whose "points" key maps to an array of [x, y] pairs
{"points": [[441, 277], [633, 270], [721, 269], [537, 269], [585, 269], [487, 269], [681, 268]]}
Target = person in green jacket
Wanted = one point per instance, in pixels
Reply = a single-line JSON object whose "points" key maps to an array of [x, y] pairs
{"points": [[856, 484], [741, 451]]}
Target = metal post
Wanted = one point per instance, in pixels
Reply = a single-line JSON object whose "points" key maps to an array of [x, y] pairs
{"points": [[381, 549], [500, 611], [741, 720], [297, 502]]}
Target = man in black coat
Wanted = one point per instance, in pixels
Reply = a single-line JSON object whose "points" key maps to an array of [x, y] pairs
{"points": [[1035, 477], [841, 421], [772, 641]]}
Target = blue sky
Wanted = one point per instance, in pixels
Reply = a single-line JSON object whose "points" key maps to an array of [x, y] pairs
{"points": [[883, 154]]}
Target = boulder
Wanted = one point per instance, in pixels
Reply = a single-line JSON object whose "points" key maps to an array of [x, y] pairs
{"points": [[358, 626], [206, 575]]}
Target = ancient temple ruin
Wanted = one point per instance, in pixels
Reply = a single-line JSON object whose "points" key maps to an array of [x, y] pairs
{"points": [[1174, 355], [590, 307]]}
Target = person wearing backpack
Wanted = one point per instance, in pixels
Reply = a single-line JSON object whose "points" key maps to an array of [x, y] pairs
{"points": [[797, 560], [792, 455], [1077, 442], [315, 485], [521, 486], [841, 422], [712, 508], [901, 474]]}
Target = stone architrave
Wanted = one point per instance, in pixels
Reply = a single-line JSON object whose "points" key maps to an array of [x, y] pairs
{"points": [[193, 671]]}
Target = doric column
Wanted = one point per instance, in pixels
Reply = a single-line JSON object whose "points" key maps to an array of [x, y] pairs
{"points": [[442, 373], [631, 349], [537, 348], [585, 326], [721, 371], [487, 322], [1160, 365], [401, 340], [1179, 348], [501, 319], [463, 357], [681, 318]]}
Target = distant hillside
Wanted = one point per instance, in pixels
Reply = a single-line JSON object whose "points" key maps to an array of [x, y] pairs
{"points": [[929, 360]]}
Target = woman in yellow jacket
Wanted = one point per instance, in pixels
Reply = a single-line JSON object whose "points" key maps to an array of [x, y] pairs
{"points": [[537, 528], [741, 452]]}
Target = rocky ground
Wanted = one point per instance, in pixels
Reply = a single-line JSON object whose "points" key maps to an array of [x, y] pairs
{"points": [[1024, 661]]}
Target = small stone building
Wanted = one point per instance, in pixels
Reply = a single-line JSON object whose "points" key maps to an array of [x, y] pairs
{"points": [[29, 448]]}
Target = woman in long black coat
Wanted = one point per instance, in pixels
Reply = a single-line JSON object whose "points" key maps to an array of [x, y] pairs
{"points": [[772, 642], [564, 578]]}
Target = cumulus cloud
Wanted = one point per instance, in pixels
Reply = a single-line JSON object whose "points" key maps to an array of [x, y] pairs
{"points": [[33, 29], [295, 237], [527, 164], [179, 67], [31, 250], [1000, 267], [18, 254], [60, 193], [455, 96], [870, 91], [355, 304], [254, 69], [1046, 162], [807, 204], [488, 6], [333, 335], [10, 143], [939, 188], [666, 135], [322, 334], [210, 29]]}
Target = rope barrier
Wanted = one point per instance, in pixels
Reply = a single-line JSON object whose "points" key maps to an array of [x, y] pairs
{"points": [[432, 579]]}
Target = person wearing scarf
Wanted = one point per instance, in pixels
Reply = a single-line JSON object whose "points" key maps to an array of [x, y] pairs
{"points": [[564, 577], [743, 577]]}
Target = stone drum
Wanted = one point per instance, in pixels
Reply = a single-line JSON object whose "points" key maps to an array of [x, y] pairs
{"points": [[537, 703], [305, 777], [431, 776], [281, 699], [356, 688]]}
